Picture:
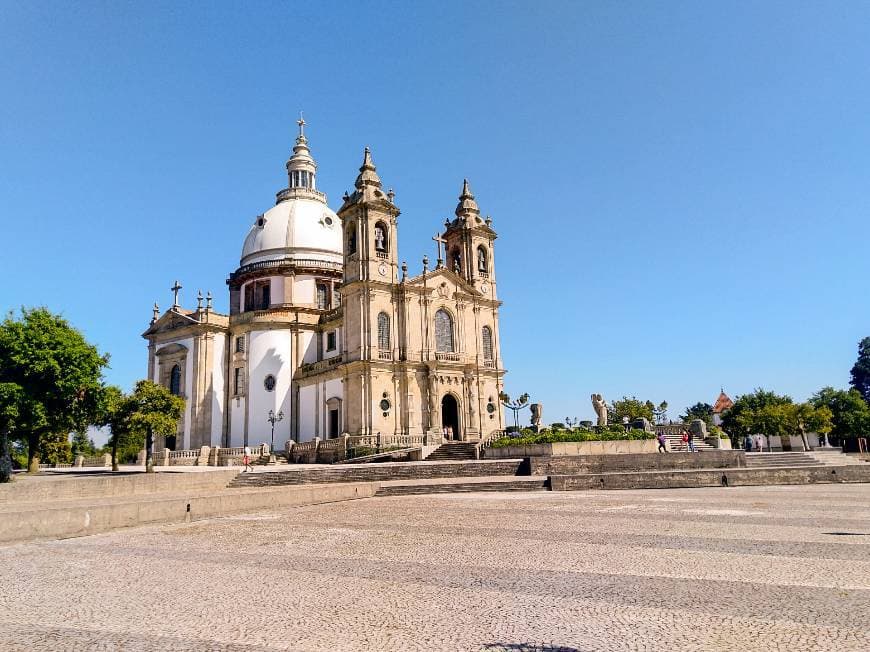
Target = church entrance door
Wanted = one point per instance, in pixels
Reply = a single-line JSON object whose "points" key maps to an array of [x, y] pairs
{"points": [[450, 417]]}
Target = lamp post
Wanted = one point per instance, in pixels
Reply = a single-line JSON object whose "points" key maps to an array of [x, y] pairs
{"points": [[516, 406], [273, 419]]}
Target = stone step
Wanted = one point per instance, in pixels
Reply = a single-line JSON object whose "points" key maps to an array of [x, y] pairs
{"points": [[454, 451], [460, 486], [380, 472]]}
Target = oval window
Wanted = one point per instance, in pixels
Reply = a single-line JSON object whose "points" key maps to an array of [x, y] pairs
{"points": [[269, 383], [385, 405]]}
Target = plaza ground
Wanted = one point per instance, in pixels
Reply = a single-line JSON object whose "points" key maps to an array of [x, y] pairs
{"points": [[746, 568]]}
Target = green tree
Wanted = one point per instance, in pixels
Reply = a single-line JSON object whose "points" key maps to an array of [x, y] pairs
{"points": [[58, 372], [861, 370], [809, 418], [113, 411], [82, 444], [703, 411], [633, 408], [11, 398], [661, 412], [153, 410], [748, 411], [850, 415], [54, 448]]}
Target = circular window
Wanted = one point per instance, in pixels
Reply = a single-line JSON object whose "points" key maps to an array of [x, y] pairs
{"points": [[261, 221], [269, 383], [385, 405], [490, 408], [327, 220]]}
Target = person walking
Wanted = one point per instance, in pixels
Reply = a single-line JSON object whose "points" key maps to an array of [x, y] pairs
{"points": [[747, 443], [246, 458], [759, 443], [691, 441], [662, 442]]}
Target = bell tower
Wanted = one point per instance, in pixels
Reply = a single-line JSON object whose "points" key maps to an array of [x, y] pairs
{"points": [[369, 220], [469, 244]]}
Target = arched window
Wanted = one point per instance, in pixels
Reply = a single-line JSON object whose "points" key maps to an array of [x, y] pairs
{"points": [[175, 381], [351, 240], [443, 332], [322, 296], [487, 343], [381, 237], [383, 331], [456, 261], [482, 265]]}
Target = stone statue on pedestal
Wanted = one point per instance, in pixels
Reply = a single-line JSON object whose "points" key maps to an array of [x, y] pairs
{"points": [[600, 407], [537, 415]]}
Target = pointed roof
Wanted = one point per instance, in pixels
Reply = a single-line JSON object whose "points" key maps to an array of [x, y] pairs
{"points": [[722, 403], [368, 175], [466, 205]]}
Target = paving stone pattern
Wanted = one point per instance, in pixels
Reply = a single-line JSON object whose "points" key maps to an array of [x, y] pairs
{"points": [[747, 568]]}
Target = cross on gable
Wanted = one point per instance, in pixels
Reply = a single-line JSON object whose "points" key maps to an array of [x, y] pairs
{"points": [[175, 288]]}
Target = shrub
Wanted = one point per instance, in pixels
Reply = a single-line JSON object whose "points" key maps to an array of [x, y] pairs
{"points": [[609, 433]]}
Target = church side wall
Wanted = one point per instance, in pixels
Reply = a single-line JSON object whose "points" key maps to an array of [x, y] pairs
{"points": [[237, 420], [218, 389], [270, 353], [307, 415]]}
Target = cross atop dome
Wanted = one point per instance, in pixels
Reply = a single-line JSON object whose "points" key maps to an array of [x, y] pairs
{"points": [[301, 167], [301, 123]]}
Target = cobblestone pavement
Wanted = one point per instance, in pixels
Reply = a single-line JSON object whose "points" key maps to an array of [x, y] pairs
{"points": [[767, 568]]}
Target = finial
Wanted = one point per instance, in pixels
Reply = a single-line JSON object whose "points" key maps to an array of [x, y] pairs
{"points": [[301, 123], [368, 175], [346, 196], [425, 263], [391, 195], [404, 270], [466, 201], [199, 301], [488, 220], [208, 300], [446, 221], [175, 289], [156, 314]]}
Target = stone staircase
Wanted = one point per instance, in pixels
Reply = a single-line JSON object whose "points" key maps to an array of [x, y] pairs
{"points": [[454, 451], [411, 488], [675, 444], [834, 457], [296, 475], [784, 459]]}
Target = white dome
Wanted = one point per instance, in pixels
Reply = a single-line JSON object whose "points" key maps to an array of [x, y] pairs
{"points": [[297, 228]]}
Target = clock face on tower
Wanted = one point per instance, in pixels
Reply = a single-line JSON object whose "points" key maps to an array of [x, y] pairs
{"points": [[382, 269]]}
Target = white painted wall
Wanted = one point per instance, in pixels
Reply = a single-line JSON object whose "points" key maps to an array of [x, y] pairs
{"points": [[307, 412], [237, 420], [221, 343], [309, 347], [269, 352], [303, 291], [276, 289]]}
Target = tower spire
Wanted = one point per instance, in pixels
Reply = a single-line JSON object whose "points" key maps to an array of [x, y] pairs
{"points": [[368, 175], [466, 205], [301, 168]]}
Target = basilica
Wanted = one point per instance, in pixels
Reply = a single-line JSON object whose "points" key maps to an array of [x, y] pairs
{"points": [[327, 334]]}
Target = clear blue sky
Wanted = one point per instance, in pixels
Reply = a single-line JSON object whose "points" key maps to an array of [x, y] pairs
{"points": [[680, 189]]}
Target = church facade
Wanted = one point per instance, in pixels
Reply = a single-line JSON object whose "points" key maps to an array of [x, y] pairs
{"points": [[327, 330]]}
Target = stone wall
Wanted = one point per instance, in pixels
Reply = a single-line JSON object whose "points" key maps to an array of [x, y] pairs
{"points": [[569, 465], [616, 447]]}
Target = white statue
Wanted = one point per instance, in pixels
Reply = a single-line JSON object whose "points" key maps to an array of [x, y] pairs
{"points": [[600, 407]]}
